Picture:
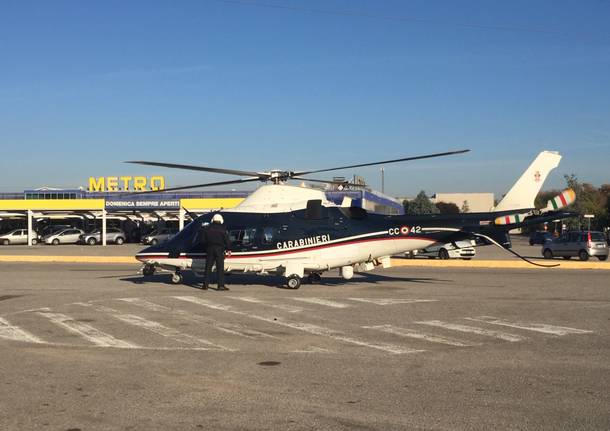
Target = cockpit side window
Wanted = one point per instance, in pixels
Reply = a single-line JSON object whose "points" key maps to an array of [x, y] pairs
{"points": [[267, 235], [242, 237]]}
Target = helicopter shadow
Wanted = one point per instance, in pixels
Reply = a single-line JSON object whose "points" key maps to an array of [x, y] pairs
{"points": [[193, 281], [159, 279], [373, 278]]}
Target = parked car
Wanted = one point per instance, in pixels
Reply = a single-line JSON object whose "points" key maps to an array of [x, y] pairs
{"points": [[51, 229], [583, 244], [451, 250], [158, 236], [540, 237], [17, 236], [66, 236], [114, 235]]}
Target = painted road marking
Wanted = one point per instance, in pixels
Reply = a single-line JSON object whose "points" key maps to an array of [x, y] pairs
{"points": [[229, 328], [322, 301], [15, 333], [537, 327], [86, 331], [391, 301], [159, 329], [299, 326], [288, 308], [404, 332], [313, 349], [473, 329]]}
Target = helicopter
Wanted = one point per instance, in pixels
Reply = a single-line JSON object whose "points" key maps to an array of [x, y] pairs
{"points": [[295, 232]]}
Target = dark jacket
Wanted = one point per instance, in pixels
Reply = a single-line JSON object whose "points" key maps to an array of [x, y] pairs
{"points": [[215, 235]]}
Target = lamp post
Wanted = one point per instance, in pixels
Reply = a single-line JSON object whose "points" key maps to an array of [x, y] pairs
{"points": [[589, 217], [382, 181]]}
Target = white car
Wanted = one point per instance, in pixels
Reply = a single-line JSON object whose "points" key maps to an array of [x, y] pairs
{"points": [[451, 250], [17, 236], [66, 236]]}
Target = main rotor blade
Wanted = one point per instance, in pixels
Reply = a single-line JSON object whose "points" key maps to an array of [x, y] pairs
{"points": [[343, 183], [220, 183], [260, 175], [404, 159]]}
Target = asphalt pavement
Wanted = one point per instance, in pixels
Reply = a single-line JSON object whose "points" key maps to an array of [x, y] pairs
{"points": [[99, 347]]}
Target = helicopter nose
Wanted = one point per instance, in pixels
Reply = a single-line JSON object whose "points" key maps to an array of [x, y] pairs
{"points": [[146, 254]]}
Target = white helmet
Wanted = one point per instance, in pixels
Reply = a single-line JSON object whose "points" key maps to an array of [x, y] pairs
{"points": [[218, 219]]}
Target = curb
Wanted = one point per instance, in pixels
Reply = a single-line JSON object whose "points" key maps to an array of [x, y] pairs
{"points": [[426, 263], [498, 264], [69, 259]]}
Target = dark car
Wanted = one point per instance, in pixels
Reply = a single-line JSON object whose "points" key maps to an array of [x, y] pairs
{"points": [[540, 237]]}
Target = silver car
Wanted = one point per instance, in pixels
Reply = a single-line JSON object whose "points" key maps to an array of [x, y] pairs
{"points": [[17, 236], [158, 236], [66, 236], [583, 244], [114, 235]]}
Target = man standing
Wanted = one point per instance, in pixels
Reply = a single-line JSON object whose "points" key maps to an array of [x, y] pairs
{"points": [[217, 243]]}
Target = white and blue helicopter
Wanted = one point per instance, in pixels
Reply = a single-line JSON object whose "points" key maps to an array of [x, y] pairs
{"points": [[295, 232]]}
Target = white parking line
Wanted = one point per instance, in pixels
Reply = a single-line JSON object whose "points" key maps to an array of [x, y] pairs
{"points": [[159, 329], [537, 327], [229, 328], [288, 308], [305, 327], [473, 329], [313, 349], [87, 332], [322, 301], [404, 332], [391, 301], [15, 333]]}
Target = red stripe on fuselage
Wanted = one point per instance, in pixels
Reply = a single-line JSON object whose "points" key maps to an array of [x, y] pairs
{"points": [[280, 252]]}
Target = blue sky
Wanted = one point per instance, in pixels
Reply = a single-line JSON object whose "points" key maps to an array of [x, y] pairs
{"points": [[87, 85]]}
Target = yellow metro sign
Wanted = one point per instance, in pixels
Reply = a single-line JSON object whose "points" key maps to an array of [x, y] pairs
{"points": [[126, 183]]}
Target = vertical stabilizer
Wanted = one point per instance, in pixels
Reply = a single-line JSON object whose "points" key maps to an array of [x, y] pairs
{"points": [[523, 193]]}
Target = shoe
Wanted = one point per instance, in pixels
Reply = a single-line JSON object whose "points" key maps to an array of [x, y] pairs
{"points": [[222, 288]]}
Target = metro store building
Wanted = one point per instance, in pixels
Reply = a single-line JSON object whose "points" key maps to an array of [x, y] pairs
{"points": [[114, 198]]}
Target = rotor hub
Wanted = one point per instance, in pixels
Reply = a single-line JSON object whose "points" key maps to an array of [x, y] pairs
{"points": [[278, 176]]}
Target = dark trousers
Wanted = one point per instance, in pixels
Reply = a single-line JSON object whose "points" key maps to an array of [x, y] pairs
{"points": [[215, 255]]}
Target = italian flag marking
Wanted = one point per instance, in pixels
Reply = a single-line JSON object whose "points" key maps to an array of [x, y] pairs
{"points": [[562, 200]]}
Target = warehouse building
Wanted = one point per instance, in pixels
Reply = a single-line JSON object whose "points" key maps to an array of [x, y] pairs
{"points": [[467, 202], [103, 206]]}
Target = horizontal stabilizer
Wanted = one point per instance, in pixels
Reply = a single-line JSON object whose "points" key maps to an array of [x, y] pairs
{"points": [[562, 200], [510, 219]]}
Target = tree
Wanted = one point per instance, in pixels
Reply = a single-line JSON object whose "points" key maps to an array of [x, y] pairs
{"points": [[420, 205], [589, 200], [447, 208]]}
